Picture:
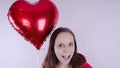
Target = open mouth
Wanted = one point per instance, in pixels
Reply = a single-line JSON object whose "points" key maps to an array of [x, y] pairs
{"points": [[66, 57]]}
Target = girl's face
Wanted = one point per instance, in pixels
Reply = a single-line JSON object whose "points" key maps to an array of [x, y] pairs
{"points": [[64, 47]]}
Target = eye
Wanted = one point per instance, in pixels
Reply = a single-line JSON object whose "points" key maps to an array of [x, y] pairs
{"points": [[70, 44], [60, 45]]}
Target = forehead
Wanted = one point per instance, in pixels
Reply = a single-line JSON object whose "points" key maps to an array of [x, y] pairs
{"points": [[64, 37]]}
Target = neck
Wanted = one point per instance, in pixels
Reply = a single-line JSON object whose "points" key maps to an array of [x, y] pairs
{"points": [[60, 65]]}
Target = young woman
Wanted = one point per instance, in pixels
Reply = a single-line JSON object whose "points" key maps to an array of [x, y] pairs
{"points": [[62, 52]]}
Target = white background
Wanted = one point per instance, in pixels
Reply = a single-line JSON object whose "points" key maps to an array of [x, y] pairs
{"points": [[96, 24]]}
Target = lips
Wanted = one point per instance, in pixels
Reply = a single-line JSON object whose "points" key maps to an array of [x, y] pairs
{"points": [[66, 57]]}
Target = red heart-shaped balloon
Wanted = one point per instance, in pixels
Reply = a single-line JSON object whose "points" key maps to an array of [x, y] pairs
{"points": [[33, 21]]}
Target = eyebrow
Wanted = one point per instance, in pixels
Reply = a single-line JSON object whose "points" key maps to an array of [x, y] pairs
{"points": [[63, 43]]}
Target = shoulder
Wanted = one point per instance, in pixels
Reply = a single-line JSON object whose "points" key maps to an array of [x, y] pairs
{"points": [[85, 65], [83, 62], [80, 59]]}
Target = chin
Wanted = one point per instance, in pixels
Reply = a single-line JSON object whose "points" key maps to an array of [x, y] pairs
{"points": [[65, 62]]}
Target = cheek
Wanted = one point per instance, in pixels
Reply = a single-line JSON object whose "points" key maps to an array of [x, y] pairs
{"points": [[57, 51], [72, 50]]}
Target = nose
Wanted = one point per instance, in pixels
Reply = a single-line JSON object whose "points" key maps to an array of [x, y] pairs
{"points": [[66, 49]]}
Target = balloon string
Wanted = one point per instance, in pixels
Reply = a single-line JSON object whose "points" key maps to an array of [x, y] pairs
{"points": [[38, 59]]}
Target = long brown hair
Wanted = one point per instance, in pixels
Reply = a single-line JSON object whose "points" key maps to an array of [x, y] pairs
{"points": [[51, 60]]}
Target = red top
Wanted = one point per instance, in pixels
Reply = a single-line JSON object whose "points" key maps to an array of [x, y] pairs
{"points": [[86, 65], [84, 61]]}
